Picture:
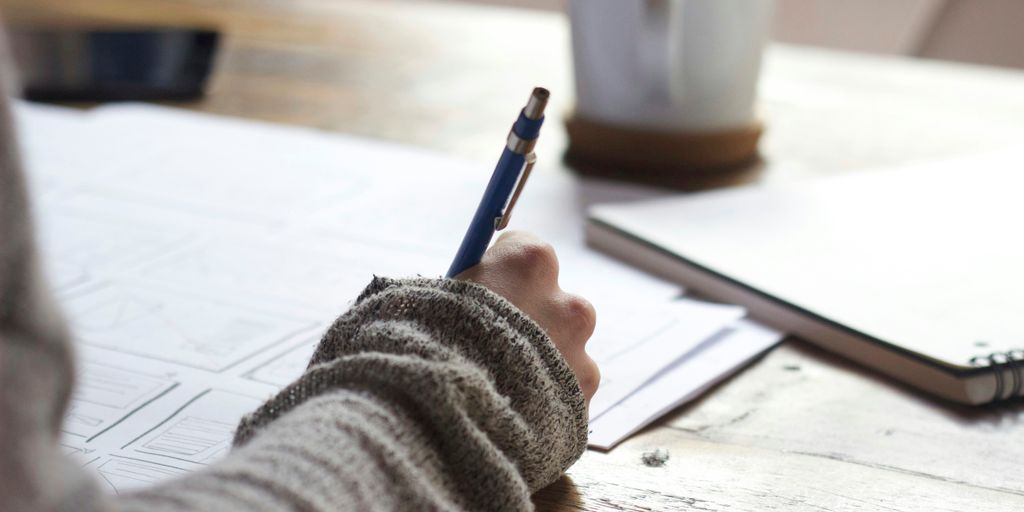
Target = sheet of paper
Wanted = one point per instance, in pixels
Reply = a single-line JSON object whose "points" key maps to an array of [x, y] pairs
{"points": [[633, 343], [353, 190], [135, 419], [685, 379], [198, 259], [55, 166]]}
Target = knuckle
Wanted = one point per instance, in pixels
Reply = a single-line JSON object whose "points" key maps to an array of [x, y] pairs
{"points": [[580, 315], [589, 378], [535, 259]]}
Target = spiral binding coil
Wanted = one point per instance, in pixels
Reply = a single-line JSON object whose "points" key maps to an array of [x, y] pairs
{"points": [[1013, 360]]}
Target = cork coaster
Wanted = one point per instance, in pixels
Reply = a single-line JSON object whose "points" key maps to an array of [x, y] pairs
{"points": [[687, 161]]}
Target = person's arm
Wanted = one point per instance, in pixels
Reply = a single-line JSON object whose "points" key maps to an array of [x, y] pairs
{"points": [[427, 394], [35, 359]]}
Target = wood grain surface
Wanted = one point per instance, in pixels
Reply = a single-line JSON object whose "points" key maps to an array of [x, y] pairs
{"points": [[799, 429]]}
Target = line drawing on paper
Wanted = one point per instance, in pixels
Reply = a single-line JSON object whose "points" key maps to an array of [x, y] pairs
{"points": [[285, 367], [200, 431], [105, 395], [79, 245], [259, 193], [305, 272], [186, 330], [124, 473], [192, 436], [68, 449]]}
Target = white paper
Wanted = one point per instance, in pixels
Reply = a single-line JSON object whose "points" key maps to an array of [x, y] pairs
{"points": [[634, 343], [684, 380], [199, 259], [135, 420]]}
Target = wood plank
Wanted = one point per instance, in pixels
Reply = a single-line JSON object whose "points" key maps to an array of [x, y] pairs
{"points": [[803, 400], [706, 475]]}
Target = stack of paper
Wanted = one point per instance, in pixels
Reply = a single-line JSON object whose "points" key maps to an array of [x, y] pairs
{"points": [[684, 379], [199, 259]]}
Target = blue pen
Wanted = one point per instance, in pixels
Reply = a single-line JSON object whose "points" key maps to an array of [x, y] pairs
{"points": [[506, 183]]}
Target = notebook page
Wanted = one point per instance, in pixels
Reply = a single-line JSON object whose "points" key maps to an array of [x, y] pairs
{"points": [[923, 257]]}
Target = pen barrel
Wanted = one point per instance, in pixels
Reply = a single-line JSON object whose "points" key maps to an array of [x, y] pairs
{"points": [[482, 227]]}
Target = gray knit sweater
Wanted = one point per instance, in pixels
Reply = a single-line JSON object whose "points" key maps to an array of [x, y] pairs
{"points": [[425, 395]]}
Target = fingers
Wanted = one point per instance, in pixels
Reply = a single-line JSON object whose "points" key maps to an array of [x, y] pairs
{"points": [[520, 267], [526, 256], [574, 317], [524, 269], [589, 376], [576, 320]]}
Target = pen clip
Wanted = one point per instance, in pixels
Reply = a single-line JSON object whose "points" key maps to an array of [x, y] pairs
{"points": [[501, 221]]}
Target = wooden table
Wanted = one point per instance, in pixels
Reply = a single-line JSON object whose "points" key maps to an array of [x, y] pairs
{"points": [[798, 430]]}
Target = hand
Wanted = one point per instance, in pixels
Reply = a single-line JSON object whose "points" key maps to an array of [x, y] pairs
{"points": [[524, 269]]}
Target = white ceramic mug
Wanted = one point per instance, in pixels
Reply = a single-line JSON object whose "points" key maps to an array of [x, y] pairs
{"points": [[671, 65]]}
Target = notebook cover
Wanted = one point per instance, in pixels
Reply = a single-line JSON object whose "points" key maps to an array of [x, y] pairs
{"points": [[926, 258]]}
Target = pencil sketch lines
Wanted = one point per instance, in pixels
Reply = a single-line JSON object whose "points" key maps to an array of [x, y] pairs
{"points": [[123, 474], [200, 431], [199, 438], [190, 331], [287, 367], [106, 395]]}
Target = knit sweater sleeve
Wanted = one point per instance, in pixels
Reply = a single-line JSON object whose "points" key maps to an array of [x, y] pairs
{"points": [[427, 394]]}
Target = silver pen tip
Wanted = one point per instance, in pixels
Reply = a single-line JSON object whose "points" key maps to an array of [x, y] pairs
{"points": [[535, 106]]}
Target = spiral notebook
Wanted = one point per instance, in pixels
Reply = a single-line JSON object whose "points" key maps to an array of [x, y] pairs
{"points": [[916, 272]]}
